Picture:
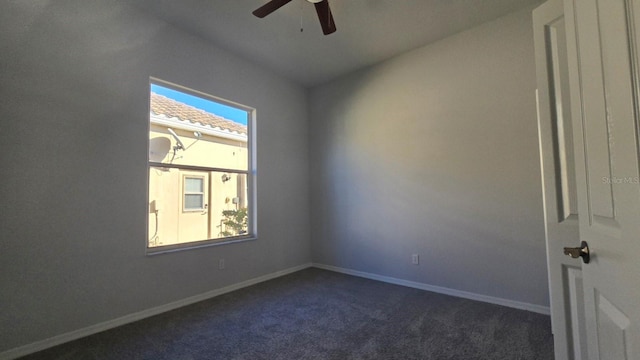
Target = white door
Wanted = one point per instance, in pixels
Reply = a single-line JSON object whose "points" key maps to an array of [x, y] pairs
{"points": [[602, 54], [603, 77], [559, 181]]}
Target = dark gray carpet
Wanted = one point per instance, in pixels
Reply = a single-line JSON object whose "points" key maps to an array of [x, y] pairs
{"points": [[318, 314]]}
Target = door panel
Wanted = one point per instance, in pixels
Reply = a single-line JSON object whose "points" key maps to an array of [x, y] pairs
{"points": [[560, 109], [613, 327], [576, 301], [599, 193]]}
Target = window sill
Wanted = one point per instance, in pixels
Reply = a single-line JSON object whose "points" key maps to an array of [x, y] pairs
{"points": [[158, 250]]}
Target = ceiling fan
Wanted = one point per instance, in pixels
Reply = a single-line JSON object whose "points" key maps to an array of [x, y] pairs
{"points": [[322, 8]]}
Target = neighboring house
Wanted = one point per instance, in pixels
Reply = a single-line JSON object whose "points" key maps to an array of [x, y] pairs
{"points": [[187, 204]]}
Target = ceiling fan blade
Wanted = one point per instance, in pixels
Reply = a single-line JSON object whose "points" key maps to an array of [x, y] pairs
{"points": [[325, 17], [270, 7]]}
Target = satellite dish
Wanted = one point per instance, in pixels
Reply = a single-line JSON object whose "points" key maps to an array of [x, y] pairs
{"points": [[159, 148], [180, 145]]}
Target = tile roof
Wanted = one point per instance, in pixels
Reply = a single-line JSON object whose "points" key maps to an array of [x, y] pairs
{"points": [[164, 106]]}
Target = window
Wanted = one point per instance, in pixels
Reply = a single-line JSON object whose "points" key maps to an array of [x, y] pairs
{"points": [[193, 194], [200, 169]]}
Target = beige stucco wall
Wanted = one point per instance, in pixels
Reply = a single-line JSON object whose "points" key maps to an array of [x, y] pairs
{"points": [[169, 222], [209, 151]]}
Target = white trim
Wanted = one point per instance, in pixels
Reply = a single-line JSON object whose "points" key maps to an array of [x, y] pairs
{"points": [[545, 310], [189, 126], [93, 329]]}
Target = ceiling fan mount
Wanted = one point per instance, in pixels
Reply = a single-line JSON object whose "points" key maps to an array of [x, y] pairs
{"points": [[322, 9]]}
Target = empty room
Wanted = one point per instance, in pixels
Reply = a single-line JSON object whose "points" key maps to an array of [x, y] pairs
{"points": [[319, 179]]}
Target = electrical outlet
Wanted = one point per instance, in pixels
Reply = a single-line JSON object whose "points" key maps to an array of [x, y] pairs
{"points": [[415, 259], [221, 264]]}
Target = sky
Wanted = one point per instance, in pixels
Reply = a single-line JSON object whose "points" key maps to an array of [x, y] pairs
{"points": [[227, 112]]}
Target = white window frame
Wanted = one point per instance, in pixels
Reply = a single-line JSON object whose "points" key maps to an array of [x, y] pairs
{"points": [[251, 175]]}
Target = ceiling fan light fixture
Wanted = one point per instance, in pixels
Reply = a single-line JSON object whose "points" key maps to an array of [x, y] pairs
{"points": [[322, 9]]}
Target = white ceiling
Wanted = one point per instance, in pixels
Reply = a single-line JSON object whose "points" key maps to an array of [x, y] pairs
{"points": [[369, 31]]}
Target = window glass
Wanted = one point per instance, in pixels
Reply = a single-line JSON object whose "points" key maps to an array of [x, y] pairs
{"points": [[199, 160]]}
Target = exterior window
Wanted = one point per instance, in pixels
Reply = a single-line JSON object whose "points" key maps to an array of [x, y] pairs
{"points": [[200, 169], [193, 194]]}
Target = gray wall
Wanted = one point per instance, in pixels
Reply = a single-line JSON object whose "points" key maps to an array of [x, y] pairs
{"points": [[435, 152], [73, 149]]}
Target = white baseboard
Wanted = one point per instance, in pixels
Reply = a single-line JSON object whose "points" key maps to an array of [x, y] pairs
{"points": [[93, 329], [441, 290]]}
